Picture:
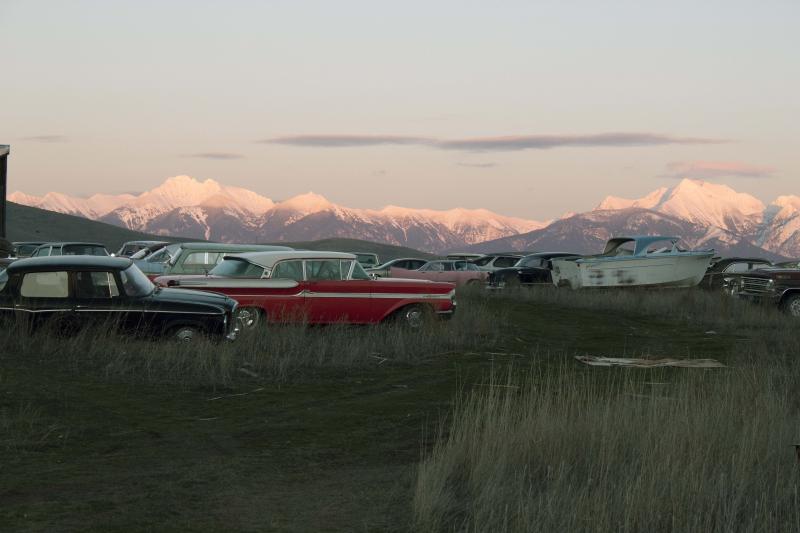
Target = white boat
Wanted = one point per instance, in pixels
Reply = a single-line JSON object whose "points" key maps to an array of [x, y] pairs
{"points": [[643, 261]]}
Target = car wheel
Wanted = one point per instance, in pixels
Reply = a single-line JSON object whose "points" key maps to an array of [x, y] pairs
{"points": [[186, 334], [249, 318], [414, 316], [792, 305]]}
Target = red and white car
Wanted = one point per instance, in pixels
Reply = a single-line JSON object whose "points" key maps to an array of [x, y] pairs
{"points": [[457, 272], [317, 288]]}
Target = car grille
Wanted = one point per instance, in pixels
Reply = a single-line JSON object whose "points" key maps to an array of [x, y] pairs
{"points": [[755, 285]]}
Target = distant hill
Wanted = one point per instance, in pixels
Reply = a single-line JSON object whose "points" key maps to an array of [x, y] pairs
{"points": [[33, 224], [385, 252]]}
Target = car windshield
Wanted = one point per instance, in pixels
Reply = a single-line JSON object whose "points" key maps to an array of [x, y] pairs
{"points": [[483, 261], [367, 260], [135, 282], [3, 278], [233, 267], [529, 262], [359, 272], [163, 255], [26, 249]]}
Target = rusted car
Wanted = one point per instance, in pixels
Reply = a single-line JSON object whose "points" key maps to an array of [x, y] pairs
{"points": [[317, 288], [456, 272], [723, 271]]}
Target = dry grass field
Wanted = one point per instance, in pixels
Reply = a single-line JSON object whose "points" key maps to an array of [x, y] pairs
{"points": [[482, 423]]}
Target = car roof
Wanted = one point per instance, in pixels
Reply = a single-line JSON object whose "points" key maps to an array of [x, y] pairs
{"points": [[145, 242], [224, 247], [268, 259], [70, 243], [28, 243], [69, 262]]}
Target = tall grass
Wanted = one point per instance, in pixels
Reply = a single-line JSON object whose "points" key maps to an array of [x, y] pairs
{"points": [[690, 306], [273, 353], [577, 449]]}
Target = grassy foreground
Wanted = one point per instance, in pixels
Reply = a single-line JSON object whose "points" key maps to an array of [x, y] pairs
{"points": [[483, 423]]}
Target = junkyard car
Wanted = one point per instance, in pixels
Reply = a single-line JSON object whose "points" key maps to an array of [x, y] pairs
{"points": [[408, 263], [532, 269], [775, 286], [492, 262], [317, 288], [194, 257], [70, 292], [722, 272], [131, 247], [70, 248], [457, 272]]}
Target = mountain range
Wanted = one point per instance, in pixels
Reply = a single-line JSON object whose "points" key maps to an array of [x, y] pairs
{"points": [[703, 214]]}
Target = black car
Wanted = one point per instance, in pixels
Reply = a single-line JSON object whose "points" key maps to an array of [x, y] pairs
{"points": [[775, 286], [721, 273], [69, 292], [533, 269], [70, 248]]}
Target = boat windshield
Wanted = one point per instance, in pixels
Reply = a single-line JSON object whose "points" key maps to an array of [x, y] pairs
{"points": [[135, 282]]}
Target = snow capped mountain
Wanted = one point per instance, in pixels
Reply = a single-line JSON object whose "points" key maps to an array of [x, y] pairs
{"points": [[704, 215], [206, 209]]}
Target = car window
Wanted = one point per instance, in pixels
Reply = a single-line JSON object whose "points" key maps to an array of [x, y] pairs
{"points": [[45, 285], [345, 265], [233, 267], [3, 279], [483, 261], [91, 285], [25, 249], [83, 249], [505, 262], [135, 282], [472, 267], [359, 272], [434, 267], [288, 270], [323, 269], [203, 258], [41, 252], [161, 256], [460, 266], [531, 262]]}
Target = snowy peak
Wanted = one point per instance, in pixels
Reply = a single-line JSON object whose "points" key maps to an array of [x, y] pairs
{"points": [[306, 204], [696, 201]]}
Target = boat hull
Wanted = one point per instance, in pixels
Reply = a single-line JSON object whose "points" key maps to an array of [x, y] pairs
{"points": [[684, 270]]}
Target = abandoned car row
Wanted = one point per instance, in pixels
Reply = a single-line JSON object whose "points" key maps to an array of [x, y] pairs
{"points": [[186, 290]]}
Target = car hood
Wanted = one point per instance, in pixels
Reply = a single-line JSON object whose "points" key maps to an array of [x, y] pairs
{"points": [[188, 296]]}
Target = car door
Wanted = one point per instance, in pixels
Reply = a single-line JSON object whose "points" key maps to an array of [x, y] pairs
{"points": [[44, 298], [331, 296], [98, 301], [289, 304]]}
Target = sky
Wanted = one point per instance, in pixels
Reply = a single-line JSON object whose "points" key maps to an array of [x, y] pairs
{"points": [[527, 108]]}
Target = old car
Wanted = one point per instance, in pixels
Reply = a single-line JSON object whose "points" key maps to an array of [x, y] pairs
{"points": [[70, 248], [530, 270], [25, 249], [722, 271], [456, 272], [317, 288], [408, 263], [70, 292], [195, 257], [131, 247], [773, 286], [492, 262]]}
